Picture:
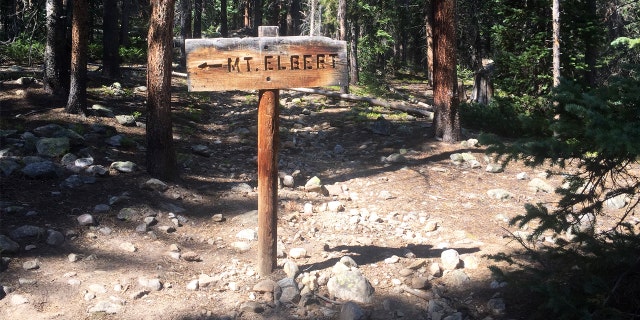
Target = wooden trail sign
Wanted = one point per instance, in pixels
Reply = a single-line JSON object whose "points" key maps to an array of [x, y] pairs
{"points": [[265, 63]]}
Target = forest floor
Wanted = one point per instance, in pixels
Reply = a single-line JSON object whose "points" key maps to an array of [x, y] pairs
{"points": [[422, 201]]}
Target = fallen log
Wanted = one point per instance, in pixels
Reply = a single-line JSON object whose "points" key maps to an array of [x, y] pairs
{"points": [[423, 110]]}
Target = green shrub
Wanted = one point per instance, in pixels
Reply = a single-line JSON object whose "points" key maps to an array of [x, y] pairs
{"points": [[593, 271], [23, 51]]}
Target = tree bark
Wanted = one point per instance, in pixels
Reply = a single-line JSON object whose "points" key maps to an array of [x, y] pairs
{"points": [[110, 54], [77, 102], [197, 19], [342, 32], [429, 37], [556, 42], [161, 156], [224, 21], [56, 73], [294, 18], [354, 72], [185, 29], [124, 23], [445, 97]]}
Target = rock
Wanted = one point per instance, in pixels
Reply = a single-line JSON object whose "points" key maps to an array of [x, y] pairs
{"points": [[154, 185], [395, 158], [381, 126], [417, 264], [97, 170], [115, 141], [335, 206], [470, 262], [494, 168], [391, 260], [97, 288], [218, 217], [308, 208], [430, 226], [153, 284], [31, 264], [107, 307], [385, 195], [86, 220], [290, 291], [297, 253], [291, 269], [41, 170], [128, 246], [128, 214], [456, 278], [123, 166], [191, 256], [126, 120], [52, 147], [101, 110], [72, 257], [471, 143], [242, 188], [247, 234], [499, 194], [252, 306], [288, 181], [7, 245], [193, 285], [496, 306], [266, 285], [539, 185], [241, 246], [18, 299], [101, 208], [26, 231], [420, 283], [618, 202], [351, 311], [54, 238], [350, 285], [201, 150], [204, 280], [450, 259], [313, 185], [522, 176], [8, 167]]}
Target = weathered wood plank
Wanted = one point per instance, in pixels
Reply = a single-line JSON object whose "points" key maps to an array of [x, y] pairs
{"points": [[221, 64]]}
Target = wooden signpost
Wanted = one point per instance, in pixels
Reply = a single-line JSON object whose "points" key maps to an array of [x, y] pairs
{"points": [[266, 63]]}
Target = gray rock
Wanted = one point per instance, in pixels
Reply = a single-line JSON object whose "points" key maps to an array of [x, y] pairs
{"points": [[193, 285], [420, 283], [8, 166], [83, 162], [127, 214], [41, 170], [72, 182], [290, 291], [54, 238], [242, 187], [101, 110], [27, 231], [497, 306], [126, 120], [153, 284], [350, 285], [115, 141], [456, 278], [494, 168], [52, 147], [450, 259], [107, 307], [522, 176], [48, 130], [31, 264], [499, 194], [201, 150], [97, 170], [297, 253], [86, 220], [247, 234], [291, 269], [539, 185], [241, 246], [618, 202], [313, 185], [249, 218], [154, 185], [101, 208], [124, 166], [288, 181], [351, 311], [395, 158], [7, 245]]}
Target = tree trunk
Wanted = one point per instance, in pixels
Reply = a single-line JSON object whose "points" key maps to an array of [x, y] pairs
{"points": [[342, 32], [482, 91], [257, 15], [197, 19], [185, 29], [445, 97], [354, 76], [161, 156], [592, 45], [124, 23], [110, 54], [294, 18], [56, 73], [429, 36], [224, 21], [77, 102], [556, 42]]}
